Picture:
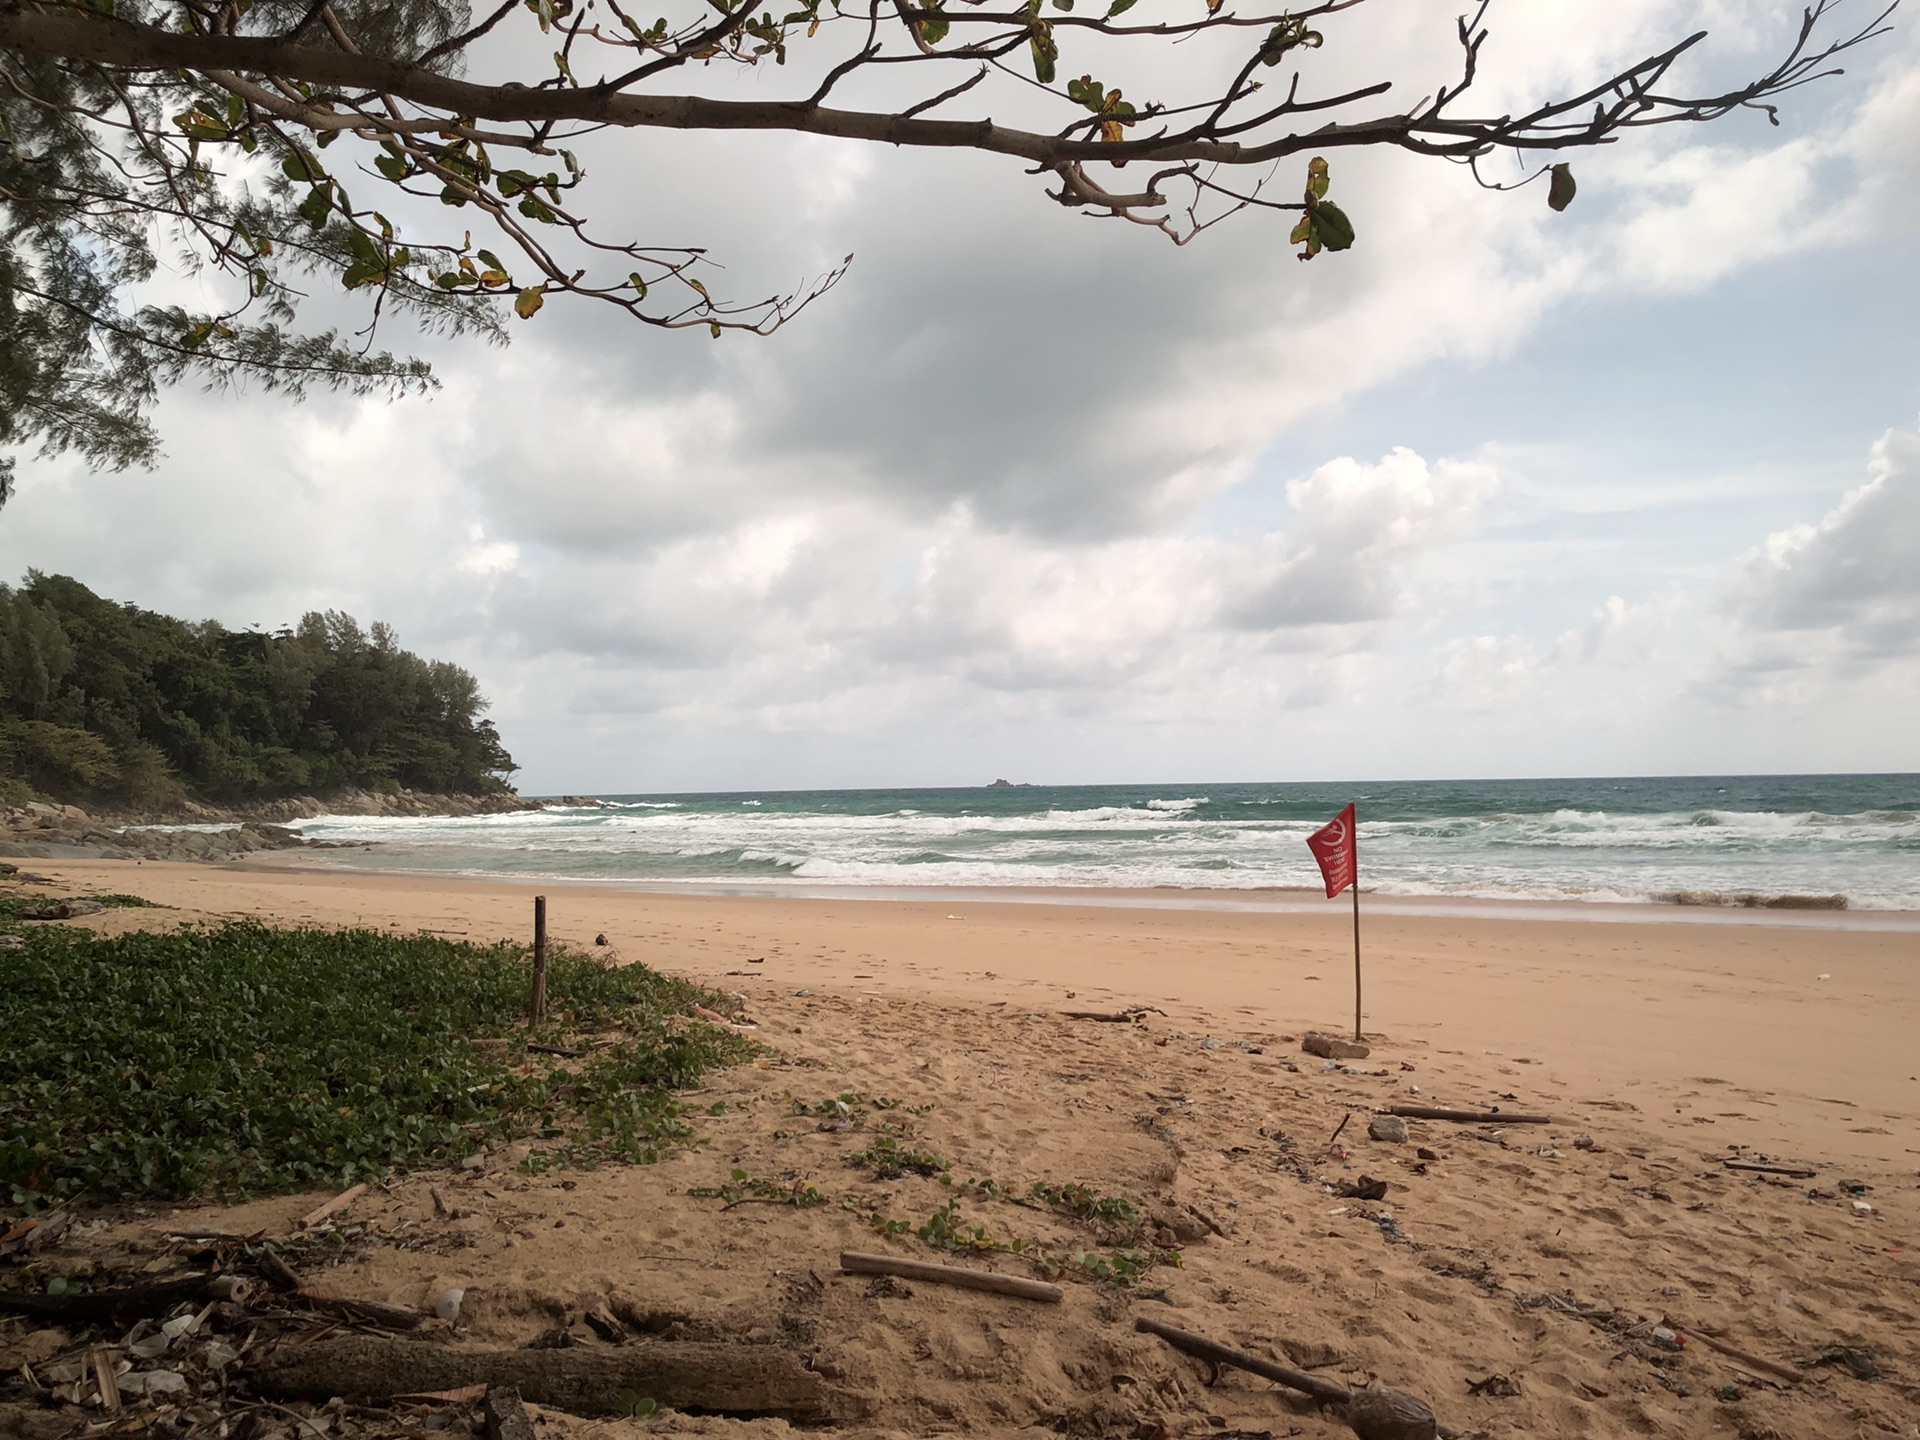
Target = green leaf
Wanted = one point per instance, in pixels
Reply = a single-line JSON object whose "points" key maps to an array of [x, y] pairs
{"points": [[1120, 7], [361, 244], [488, 259], [394, 167], [302, 168], [534, 208], [359, 273], [639, 286], [1303, 232], [451, 196], [1560, 189], [236, 111], [529, 302], [315, 208], [1335, 229], [1045, 51]]}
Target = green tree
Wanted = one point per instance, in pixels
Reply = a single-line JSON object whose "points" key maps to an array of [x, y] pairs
{"points": [[244, 137], [99, 699]]}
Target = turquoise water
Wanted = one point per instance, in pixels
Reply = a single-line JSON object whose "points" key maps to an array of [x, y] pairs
{"points": [[1630, 839]]}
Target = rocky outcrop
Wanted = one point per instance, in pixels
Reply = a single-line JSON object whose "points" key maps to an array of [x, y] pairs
{"points": [[56, 832], [347, 802]]}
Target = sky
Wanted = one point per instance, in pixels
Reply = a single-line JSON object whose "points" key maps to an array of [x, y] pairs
{"points": [[1633, 489]]}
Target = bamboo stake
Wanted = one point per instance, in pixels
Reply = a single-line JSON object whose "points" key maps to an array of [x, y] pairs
{"points": [[855, 1263], [539, 959]]}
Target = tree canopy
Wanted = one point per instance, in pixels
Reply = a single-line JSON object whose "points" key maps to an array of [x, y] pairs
{"points": [[100, 700], [205, 131]]}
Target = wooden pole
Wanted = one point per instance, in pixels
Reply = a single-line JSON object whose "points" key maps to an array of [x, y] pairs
{"points": [[1356, 945], [539, 958]]}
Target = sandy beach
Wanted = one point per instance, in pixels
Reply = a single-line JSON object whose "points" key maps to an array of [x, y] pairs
{"points": [[1546, 1254]]}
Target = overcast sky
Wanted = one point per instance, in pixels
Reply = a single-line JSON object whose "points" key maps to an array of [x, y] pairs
{"points": [[1633, 489]]}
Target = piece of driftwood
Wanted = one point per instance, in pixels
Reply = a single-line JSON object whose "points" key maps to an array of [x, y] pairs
{"points": [[1371, 1414], [565, 1052], [741, 1380], [1798, 1172], [373, 1312], [1332, 1047], [505, 1415], [275, 1271], [332, 1207], [1128, 1016], [130, 1303], [1751, 1361], [103, 1377], [1466, 1117], [856, 1263]]}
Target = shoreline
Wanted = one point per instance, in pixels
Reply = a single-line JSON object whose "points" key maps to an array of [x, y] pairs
{"points": [[1276, 899]]}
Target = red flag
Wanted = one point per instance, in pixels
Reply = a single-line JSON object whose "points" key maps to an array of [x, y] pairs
{"points": [[1333, 846]]}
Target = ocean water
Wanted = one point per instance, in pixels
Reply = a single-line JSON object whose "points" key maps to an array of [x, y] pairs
{"points": [[1738, 839]]}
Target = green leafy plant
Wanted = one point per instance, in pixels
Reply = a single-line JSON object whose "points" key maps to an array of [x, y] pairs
{"points": [[635, 1406], [743, 1189], [890, 1160], [247, 1059]]}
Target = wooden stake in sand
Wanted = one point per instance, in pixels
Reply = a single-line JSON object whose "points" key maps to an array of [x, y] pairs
{"points": [[539, 1008], [855, 1263], [1336, 846]]}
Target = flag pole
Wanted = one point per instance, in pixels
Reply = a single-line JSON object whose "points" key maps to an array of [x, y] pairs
{"points": [[1356, 943], [1353, 844]]}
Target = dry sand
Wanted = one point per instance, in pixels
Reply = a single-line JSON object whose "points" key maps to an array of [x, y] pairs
{"points": [[1667, 1044]]}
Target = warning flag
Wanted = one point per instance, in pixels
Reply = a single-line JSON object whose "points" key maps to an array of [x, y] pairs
{"points": [[1333, 846]]}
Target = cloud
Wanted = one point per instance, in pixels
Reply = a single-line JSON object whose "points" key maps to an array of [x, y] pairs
{"points": [[1840, 597]]}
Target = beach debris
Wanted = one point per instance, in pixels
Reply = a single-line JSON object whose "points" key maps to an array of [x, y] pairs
{"points": [[1424, 1153], [1365, 1188], [1390, 1129], [1503, 1386], [1798, 1172], [504, 1414], [92, 1306], [62, 910], [605, 1324], [721, 1379], [855, 1262], [446, 1305], [332, 1207], [1759, 1364], [1494, 1115], [1861, 1207], [1331, 1139], [565, 1052], [1370, 1414], [809, 992], [1131, 1015], [1586, 1142], [1331, 1047], [1209, 1043], [1858, 1359], [600, 939]]}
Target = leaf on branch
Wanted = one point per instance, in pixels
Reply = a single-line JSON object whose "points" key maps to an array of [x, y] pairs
{"points": [[1317, 179], [1040, 41], [1560, 189], [197, 124], [315, 208], [1288, 35], [1336, 230], [529, 301], [302, 168], [1120, 7]]}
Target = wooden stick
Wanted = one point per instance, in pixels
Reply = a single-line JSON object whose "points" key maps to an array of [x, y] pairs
{"points": [[332, 1207], [1754, 1362], [855, 1263], [377, 1312], [95, 1305], [1111, 1017], [1466, 1117], [563, 1051], [539, 958], [1354, 841], [1211, 1351], [103, 1376], [1798, 1172]]}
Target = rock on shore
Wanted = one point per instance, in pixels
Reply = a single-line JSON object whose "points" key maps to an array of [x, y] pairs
{"points": [[50, 831]]}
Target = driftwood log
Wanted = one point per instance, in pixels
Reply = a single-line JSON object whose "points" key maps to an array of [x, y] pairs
{"points": [[1467, 1117], [742, 1380], [1371, 1414], [1797, 1172], [131, 1303], [504, 1416], [856, 1263]]}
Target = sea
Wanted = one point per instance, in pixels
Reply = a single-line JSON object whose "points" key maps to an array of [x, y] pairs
{"points": [[1774, 841]]}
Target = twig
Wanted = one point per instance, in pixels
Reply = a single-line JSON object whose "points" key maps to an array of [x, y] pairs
{"points": [[1466, 1117]]}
